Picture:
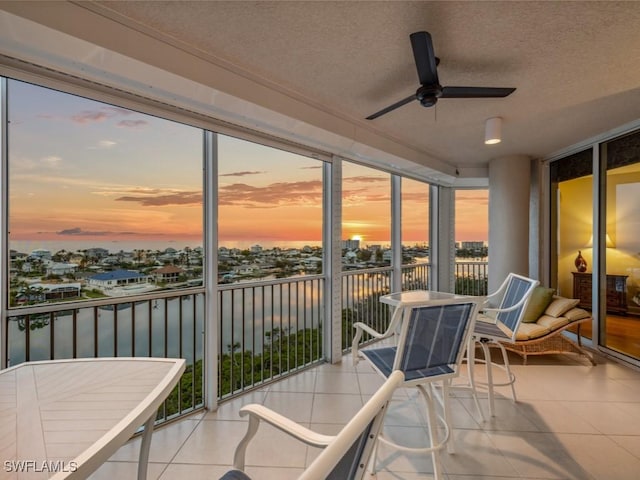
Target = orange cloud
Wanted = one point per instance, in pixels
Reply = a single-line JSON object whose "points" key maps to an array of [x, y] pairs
{"points": [[366, 179], [160, 200], [273, 195], [240, 174]]}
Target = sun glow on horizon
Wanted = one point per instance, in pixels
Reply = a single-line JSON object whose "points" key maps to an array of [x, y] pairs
{"points": [[101, 174]]}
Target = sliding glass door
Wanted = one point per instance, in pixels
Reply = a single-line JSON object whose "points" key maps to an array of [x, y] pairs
{"points": [[612, 294], [572, 224], [620, 330]]}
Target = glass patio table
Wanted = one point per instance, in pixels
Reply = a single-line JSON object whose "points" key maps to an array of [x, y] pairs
{"points": [[405, 301]]}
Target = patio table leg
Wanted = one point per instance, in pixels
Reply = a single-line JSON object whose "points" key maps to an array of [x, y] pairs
{"points": [[143, 461]]}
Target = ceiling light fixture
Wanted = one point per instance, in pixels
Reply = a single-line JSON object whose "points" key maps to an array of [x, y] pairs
{"points": [[492, 131]]}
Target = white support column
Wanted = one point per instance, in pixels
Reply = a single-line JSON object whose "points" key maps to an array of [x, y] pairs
{"points": [[332, 261], [509, 194], [442, 229], [210, 222], [396, 232]]}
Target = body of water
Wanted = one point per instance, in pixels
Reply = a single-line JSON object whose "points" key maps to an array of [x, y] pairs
{"points": [[114, 246]]}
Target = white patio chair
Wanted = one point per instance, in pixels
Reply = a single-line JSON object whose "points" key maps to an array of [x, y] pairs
{"points": [[500, 316], [345, 455], [429, 352]]}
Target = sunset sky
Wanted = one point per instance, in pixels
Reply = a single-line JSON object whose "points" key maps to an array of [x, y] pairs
{"points": [[84, 170]]}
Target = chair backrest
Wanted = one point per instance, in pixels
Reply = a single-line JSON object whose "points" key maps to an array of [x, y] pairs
{"points": [[517, 292], [434, 338], [347, 457]]}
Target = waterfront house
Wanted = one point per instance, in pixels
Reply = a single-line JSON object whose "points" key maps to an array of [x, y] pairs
{"points": [[58, 268], [116, 278], [40, 254], [95, 254], [168, 274], [43, 292]]}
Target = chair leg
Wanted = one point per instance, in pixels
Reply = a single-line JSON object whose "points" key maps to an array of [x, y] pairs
{"points": [[428, 394], [486, 351], [491, 384], [471, 361], [446, 406], [511, 378], [435, 397]]}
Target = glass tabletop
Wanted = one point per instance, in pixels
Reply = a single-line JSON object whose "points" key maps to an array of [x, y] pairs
{"points": [[421, 297]]}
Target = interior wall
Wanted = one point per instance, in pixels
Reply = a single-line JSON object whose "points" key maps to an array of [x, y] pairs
{"points": [[575, 226], [623, 228]]}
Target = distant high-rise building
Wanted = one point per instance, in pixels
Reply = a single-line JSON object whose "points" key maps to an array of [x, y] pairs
{"points": [[472, 245], [351, 244]]}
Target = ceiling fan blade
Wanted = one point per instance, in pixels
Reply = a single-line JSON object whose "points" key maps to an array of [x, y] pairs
{"points": [[425, 58], [392, 107], [475, 92]]}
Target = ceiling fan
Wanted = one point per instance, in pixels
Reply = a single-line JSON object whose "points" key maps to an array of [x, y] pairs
{"points": [[430, 89]]}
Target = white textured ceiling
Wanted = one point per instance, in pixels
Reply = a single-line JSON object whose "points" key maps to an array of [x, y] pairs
{"points": [[576, 65]]}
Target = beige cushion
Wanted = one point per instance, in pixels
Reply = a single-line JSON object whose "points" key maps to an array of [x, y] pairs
{"points": [[539, 301], [527, 331], [576, 314], [552, 323], [560, 305]]}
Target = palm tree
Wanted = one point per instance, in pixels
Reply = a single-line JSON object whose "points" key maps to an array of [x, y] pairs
{"points": [[138, 255], [61, 256]]}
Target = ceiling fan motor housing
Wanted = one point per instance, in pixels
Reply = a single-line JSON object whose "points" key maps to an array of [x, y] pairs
{"points": [[428, 95]]}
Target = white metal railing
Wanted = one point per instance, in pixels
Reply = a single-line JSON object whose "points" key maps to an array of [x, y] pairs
{"points": [[164, 324], [267, 329]]}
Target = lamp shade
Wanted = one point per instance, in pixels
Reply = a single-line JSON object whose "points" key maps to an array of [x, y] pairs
{"points": [[608, 242], [493, 131]]}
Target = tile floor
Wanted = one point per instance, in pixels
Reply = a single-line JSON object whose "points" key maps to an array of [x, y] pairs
{"points": [[571, 421]]}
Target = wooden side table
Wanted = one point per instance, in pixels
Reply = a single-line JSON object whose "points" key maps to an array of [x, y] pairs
{"points": [[616, 290]]}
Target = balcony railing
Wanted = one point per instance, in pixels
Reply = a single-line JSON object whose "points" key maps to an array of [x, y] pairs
{"points": [[167, 324], [416, 276], [471, 278], [268, 329], [361, 292]]}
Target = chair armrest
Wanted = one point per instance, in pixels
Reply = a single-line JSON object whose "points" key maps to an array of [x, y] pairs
{"points": [[363, 327], [258, 413], [286, 425]]}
